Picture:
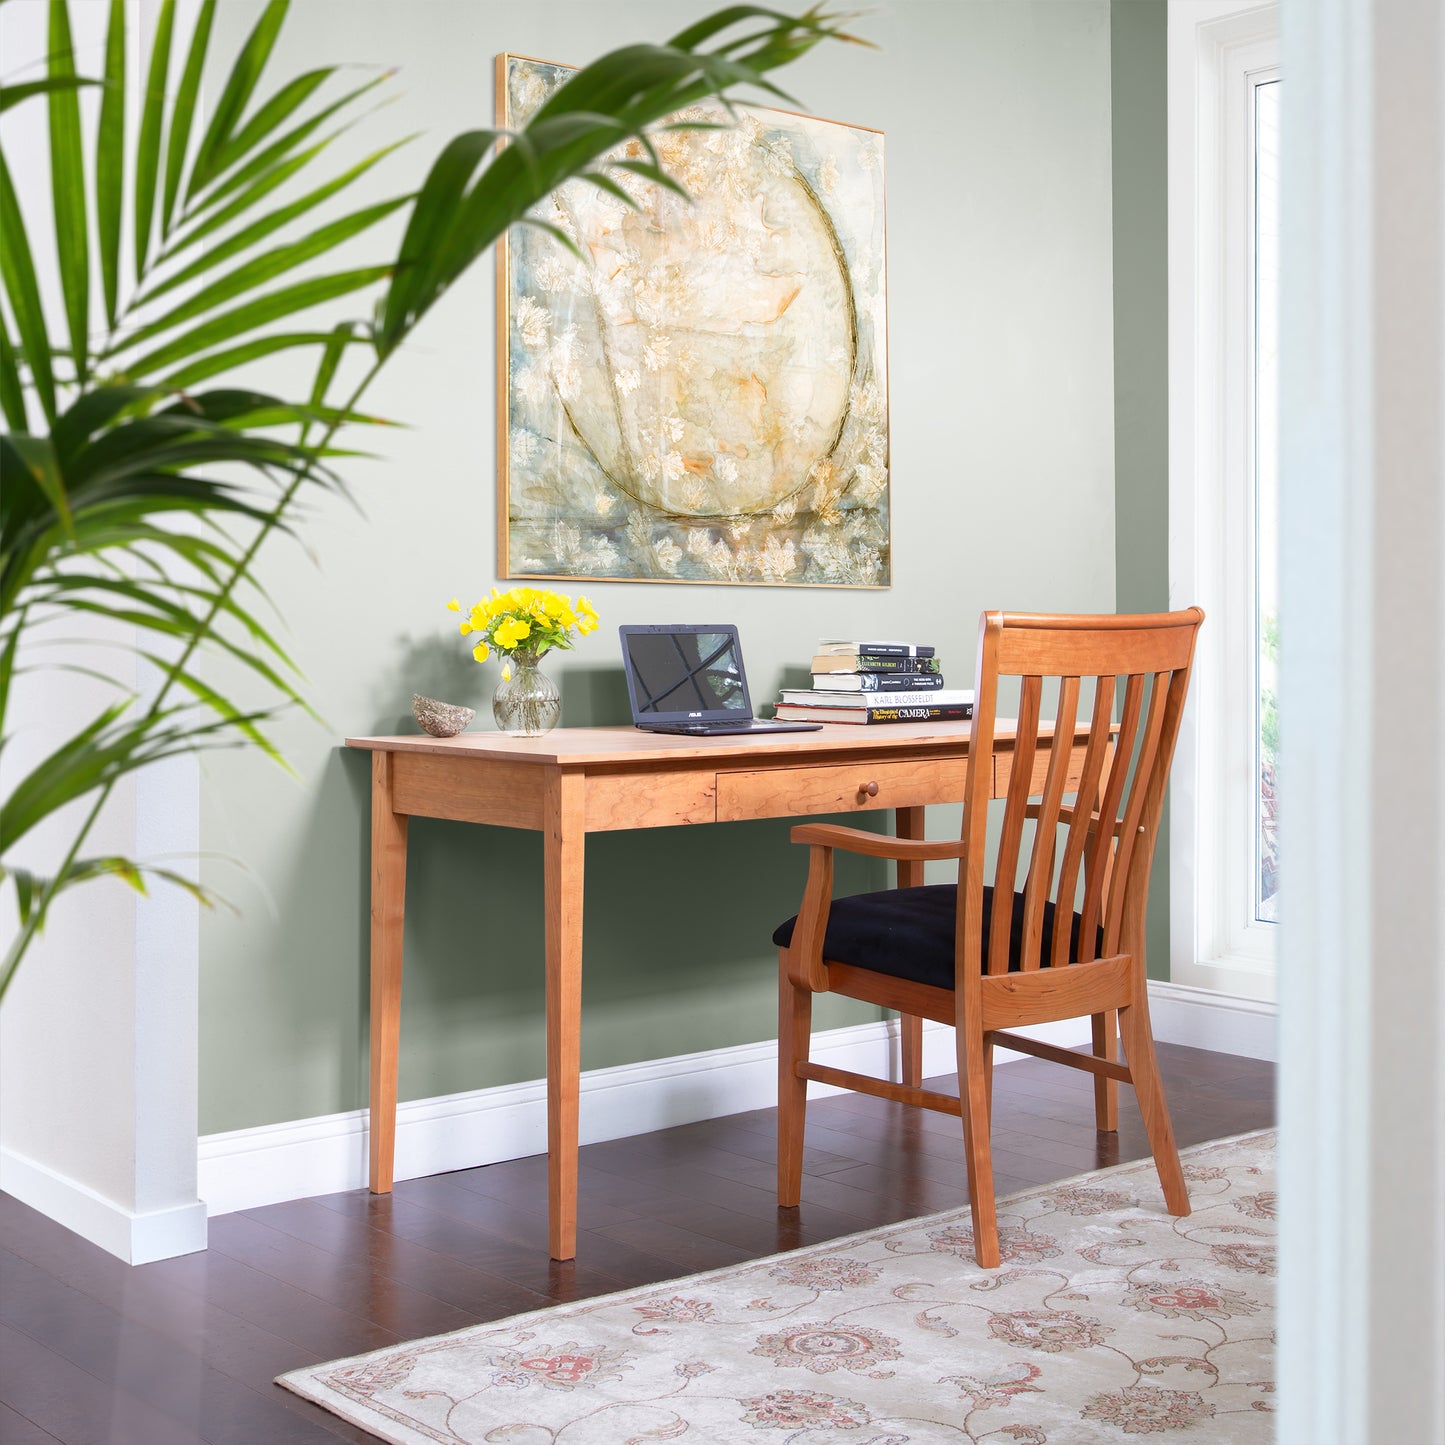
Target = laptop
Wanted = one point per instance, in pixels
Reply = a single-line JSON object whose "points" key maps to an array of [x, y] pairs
{"points": [[689, 679]]}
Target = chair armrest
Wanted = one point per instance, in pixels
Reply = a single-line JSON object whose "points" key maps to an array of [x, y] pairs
{"points": [[875, 845]]}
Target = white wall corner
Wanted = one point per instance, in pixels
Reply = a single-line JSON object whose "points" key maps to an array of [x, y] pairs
{"points": [[134, 1236]]}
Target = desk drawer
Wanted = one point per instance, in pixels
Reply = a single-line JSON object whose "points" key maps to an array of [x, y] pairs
{"points": [[654, 800], [789, 792]]}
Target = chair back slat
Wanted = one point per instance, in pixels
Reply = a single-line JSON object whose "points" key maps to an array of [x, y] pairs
{"points": [[1019, 787], [1108, 807], [1134, 810], [1091, 777], [1041, 861], [1100, 871]]}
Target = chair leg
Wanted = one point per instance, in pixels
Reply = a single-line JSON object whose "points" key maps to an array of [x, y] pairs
{"points": [[795, 1024], [1106, 1091], [988, 1076], [1144, 1070], [974, 1090]]}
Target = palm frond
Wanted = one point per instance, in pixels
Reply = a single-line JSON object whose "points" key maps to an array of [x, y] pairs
{"points": [[68, 190], [474, 192], [138, 493], [110, 161]]}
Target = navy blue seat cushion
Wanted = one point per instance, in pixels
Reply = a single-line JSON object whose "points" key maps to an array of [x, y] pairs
{"points": [[909, 932]]}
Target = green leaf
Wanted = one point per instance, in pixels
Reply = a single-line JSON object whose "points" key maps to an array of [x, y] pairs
{"points": [[259, 230], [12, 394], [606, 183], [289, 99], [103, 752], [25, 891], [240, 84], [7, 666], [259, 312], [110, 160], [93, 410], [19, 811], [202, 692], [342, 337], [655, 174], [37, 457], [264, 185], [186, 446], [18, 271], [29, 887], [236, 407], [182, 112], [67, 186], [173, 619], [220, 362], [811, 26], [264, 269], [184, 629], [555, 232], [148, 150], [435, 207], [15, 94], [263, 163]]}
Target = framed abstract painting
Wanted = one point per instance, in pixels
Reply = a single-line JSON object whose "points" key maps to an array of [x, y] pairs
{"points": [[704, 397]]}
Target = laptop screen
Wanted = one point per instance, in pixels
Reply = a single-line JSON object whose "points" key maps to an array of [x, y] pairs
{"points": [[678, 673]]}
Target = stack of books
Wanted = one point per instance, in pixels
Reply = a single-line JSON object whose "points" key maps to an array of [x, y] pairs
{"points": [[875, 682]]}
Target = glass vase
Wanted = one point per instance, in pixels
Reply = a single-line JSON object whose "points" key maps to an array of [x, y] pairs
{"points": [[527, 704]]}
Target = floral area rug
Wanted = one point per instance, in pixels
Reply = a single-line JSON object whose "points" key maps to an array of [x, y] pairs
{"points": [[1108, 1319]]}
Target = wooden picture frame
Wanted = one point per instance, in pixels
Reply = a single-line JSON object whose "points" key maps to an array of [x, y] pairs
{"points": [[704, 399]]}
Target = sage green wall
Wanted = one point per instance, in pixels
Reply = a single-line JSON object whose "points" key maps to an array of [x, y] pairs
{"points": [[1138, 31], [1001, 317]]}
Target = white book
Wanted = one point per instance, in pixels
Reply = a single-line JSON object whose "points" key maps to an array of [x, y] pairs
{"points": [[824, 697], [843, 646]]}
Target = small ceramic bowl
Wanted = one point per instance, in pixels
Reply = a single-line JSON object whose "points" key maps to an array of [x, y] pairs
{"points": [[440, 719]]}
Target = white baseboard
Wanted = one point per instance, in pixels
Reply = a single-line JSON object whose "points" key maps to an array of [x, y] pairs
{"points": [[135, 1238], [247, 1168], [1204, 1019]]}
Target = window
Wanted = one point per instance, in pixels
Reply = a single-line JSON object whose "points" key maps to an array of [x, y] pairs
{"points": [[1224, 91], [1265, 96]]}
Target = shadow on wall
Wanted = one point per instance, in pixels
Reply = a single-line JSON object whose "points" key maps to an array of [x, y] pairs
{"points": [[438, 667], [677, 946], [441, 667]]}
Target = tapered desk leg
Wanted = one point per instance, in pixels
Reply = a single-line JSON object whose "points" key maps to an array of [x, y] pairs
{"points": [[562, 885], [388, 904], [908, 823]]}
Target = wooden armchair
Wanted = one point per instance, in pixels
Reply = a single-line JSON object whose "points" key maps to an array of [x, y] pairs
{"points": [[990, 958]]}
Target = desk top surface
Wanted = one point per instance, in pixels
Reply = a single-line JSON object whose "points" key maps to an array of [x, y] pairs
{"points": [[577, 746]]}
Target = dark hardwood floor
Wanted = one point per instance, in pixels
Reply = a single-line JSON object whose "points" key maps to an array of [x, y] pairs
{"points": [[94, 1352]]}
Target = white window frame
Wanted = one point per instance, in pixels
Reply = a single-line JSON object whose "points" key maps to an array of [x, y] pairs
{"points": [[1218, 51]]}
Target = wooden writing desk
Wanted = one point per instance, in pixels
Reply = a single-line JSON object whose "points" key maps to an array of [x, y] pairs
{"points": [[577, 781]]}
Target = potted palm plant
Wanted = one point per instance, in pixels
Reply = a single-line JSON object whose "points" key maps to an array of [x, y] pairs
{"points": [[138, 479]]}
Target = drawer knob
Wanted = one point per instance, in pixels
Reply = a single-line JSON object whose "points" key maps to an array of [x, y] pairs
{"points": [[870, 789]]}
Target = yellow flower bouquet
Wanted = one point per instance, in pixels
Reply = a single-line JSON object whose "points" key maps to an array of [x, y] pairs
{"points": [[521, 625], [524, 620]]}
